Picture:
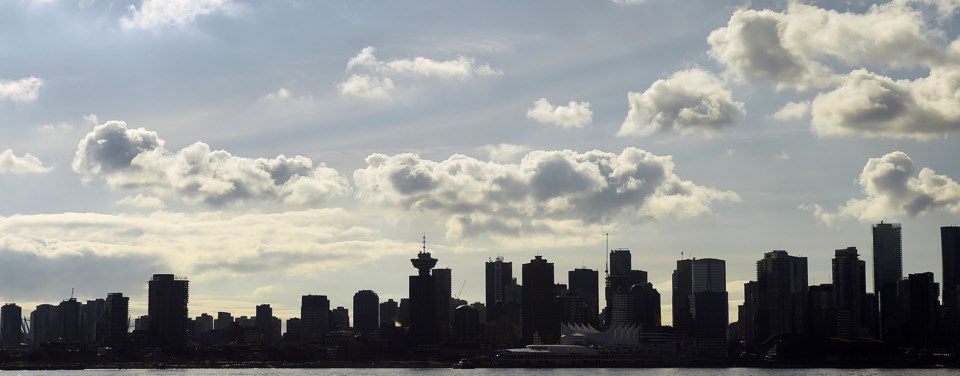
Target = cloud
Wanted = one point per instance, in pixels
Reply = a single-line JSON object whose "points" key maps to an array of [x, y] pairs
{"points": [[366, 87], [791, 49], [131, 158], [782, 155], [691, 101], [207, 246], [141, 202], [792, 111], [156, 14], [573, 115], [562, 185], [628, 2], [378, 80], [10, 163], [893, 189], [279, 95], [871, 105], [504, 152], [24, 90]]}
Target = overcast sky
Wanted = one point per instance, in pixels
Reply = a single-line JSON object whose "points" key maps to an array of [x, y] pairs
{"points": [[268, 150]]}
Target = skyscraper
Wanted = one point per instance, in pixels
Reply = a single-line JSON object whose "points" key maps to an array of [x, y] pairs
{"points": [[264, 323], [340, 317], [167, 300], [540, 323], [388, 313], [708, 303], [41, 324], [919, 300], [11, 334], [887, 273], [950, 247], [314, 317], [117, 312], [781, 295], [69, 320], [849, 288], [423, 299], [499, 275], [585, 283], [223, 320], [444, 277], [93, 322], [366, 311], [682, 289]]}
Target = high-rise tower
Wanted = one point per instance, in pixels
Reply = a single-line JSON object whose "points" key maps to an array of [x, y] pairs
{"points": [[887, 273], [849, 288], [423, 299], [540, 322], [167, 301]]}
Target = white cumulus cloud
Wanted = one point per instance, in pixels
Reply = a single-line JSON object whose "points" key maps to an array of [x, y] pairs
{"points": [[10, 163], [573, 115], [894, 189], [377, 79], [24, 90], [593, 186], [135, 158], [792, 111], [691, 101], [504, 152], [367, 87], [155, 14]]}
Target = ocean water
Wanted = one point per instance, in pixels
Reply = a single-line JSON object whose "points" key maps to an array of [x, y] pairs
{"points": [[499, 372]]}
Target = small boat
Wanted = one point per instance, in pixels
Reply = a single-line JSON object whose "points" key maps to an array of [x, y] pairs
{"points": [[464, 364]]}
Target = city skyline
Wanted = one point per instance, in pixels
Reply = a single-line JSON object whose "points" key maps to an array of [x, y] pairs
{"points": [[325, 138]]}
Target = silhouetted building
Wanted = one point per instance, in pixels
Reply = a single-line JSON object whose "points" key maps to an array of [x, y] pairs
{"points": [[849, 287], [69, 320], [870, 316], [423, 300], [950, 318], [167, 300], [314, 317], [340, 318], [403, 312], [11, 334], [585, 284], [141, 323], [887, 273], [540, 322], [265, 324], [700, 298], [950, 248], [781, 295], [117, 318], [619, 283], [499, 275], [294, 329], [41, 324], [444, 277], [682, 289], [223, 320], [366, 311], [202, 324], [466, 325], [919, 300], [748, 315], [388, 313], [573, 308], [93, 322], [821, 317]]}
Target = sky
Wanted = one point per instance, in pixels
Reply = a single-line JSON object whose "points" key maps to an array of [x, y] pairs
{"points": [[268, 150]]}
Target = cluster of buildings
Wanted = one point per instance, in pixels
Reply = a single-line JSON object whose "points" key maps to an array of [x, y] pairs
{"points": [[782, 316]]}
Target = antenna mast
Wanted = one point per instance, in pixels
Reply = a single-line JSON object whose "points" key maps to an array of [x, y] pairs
{"points": [[606, 260], [424, 243]]}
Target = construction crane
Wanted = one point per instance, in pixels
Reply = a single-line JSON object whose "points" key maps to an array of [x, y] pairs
{"points": [[461, 290]]}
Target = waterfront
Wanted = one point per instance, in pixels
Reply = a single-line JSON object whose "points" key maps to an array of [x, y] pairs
{"points": [[539, 372]]}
